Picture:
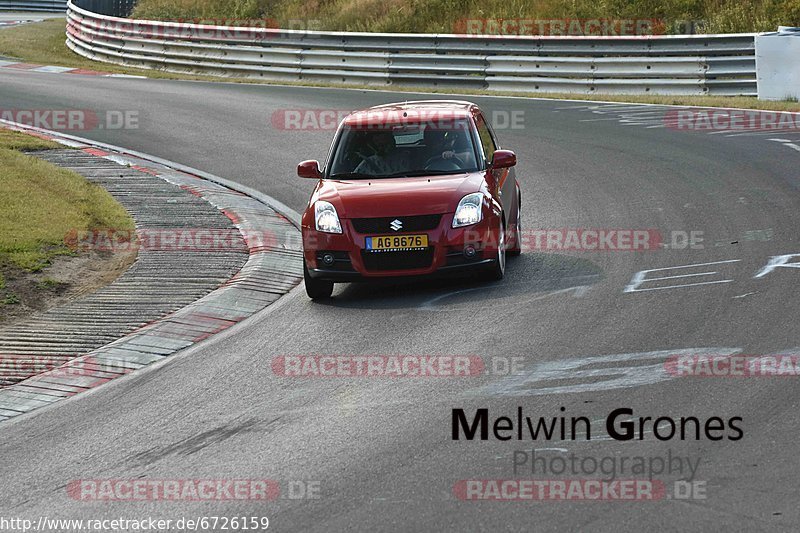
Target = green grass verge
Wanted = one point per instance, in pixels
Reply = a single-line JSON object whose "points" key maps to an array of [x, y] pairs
{"points": [[43, 43], [41, 203], [442, 16], [14, 140]]}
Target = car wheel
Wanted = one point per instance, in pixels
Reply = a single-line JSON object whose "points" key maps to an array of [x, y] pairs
{"points": [[497, 271], [316, 289], [517, 249]]}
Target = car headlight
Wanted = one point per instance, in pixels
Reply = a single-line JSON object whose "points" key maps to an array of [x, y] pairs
{"points": [[469, 210], [326, 218]]}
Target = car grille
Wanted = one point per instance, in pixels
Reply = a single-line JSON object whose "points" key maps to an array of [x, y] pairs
{"points": [[403, 260], [383, 225]]}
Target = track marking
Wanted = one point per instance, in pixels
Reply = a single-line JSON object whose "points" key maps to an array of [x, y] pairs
{"points": [[788, 143], [744, 295], [778, 261], [641, 277], [428, 307], [653, 116], [593, 373], [432, 304]]}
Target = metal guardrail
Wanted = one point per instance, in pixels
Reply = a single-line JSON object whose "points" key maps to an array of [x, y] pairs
{"points": [[33, 5], [116, 8], [687, 65]]}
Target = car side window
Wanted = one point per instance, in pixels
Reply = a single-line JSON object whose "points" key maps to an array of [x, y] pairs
{"points": [[487, 141]]}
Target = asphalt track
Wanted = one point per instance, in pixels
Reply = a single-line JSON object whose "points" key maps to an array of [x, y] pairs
{"points": [[381, 448], [20, 16]]}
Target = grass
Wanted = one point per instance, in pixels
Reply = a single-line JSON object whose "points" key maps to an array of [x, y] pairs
{"points": [[49, 284], [442, 16], [41, 203], [43, 43], [14, 140]]}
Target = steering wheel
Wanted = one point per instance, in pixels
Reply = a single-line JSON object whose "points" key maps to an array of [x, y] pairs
{"points": [[440, 163]]}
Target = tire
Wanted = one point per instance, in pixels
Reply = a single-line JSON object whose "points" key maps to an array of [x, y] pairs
{"points": [[316, 289], [517, 249], [497, 270]]}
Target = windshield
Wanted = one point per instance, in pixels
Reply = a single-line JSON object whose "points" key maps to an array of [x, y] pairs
{"points": [[444, 147]]}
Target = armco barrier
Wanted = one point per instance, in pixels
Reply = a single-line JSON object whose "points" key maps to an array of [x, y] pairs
{"points": [[33, 5], [697, 64]]}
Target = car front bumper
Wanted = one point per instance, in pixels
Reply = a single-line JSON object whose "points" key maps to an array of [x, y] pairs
{"points": [[448, 252]]}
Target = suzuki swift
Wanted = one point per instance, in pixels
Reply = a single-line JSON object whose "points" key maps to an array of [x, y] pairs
{"points": [[410, 189]]}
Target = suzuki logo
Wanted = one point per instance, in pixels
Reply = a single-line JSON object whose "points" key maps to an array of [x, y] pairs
{"points": [[396, 225]]}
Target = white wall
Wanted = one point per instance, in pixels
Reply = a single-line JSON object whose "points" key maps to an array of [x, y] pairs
{"points": [[778, 64]]}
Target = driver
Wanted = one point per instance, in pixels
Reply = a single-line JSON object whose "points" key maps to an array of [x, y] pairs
{"points": [[438, 143], [386, 159]]}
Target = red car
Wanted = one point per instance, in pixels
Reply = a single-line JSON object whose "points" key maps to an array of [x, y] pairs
{"points": [[410, 189]]}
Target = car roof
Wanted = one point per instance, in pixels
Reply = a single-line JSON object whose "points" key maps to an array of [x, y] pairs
{"points": [[411, 112]]}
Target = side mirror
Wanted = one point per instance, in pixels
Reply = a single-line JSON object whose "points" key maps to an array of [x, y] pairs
{"points": [[309, 169], [503, 159]]}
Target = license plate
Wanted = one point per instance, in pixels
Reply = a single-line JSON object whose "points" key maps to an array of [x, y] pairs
{"points": [[396, 242]]}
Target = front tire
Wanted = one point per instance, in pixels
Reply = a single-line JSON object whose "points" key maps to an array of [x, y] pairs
{"points": [[517, 249], [497, 270], [316, 289]]}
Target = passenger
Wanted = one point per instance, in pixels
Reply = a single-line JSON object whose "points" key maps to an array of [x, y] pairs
{"points": [[461, 148]]}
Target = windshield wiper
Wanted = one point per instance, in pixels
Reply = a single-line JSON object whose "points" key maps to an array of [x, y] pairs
{"points": [[352, 176], [413, 174], [420, 173]]}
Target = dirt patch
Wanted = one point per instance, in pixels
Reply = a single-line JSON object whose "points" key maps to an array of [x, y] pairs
{"points": [[67, 278]]}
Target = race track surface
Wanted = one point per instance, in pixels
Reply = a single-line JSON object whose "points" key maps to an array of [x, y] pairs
{"points": [[381, 448]]}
